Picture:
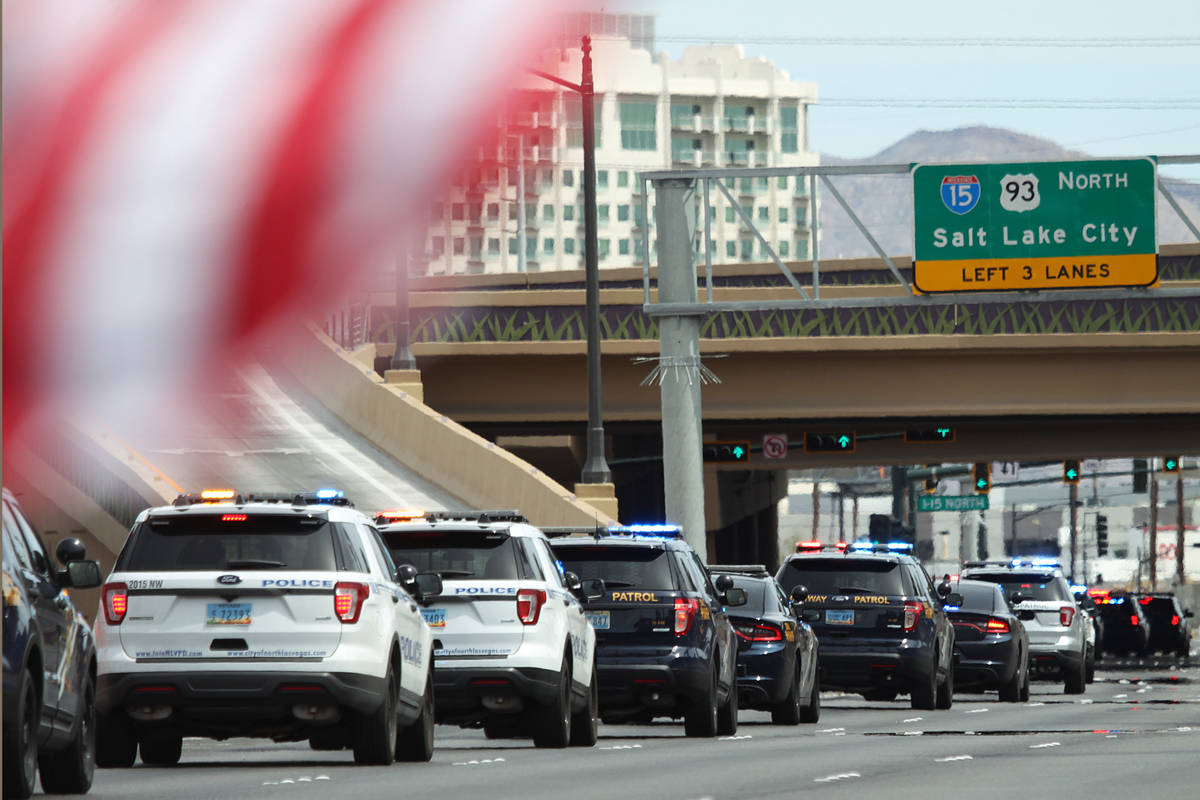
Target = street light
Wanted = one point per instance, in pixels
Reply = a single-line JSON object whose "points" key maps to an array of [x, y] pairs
{"points": [[595, 469]]}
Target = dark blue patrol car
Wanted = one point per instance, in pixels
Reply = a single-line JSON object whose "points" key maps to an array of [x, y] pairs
{"points": [[49, 663], [664, 644], [879, 620]]}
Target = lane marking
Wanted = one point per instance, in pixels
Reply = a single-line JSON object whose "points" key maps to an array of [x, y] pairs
{"points": [[1116, 696], [914, 733], [839, 777], [735, 738], [477, 762], [831, 730], [1086, 702], [621, 747], [953, 758], [1034, 705], [913, 719], [1044, 744], [977, 711]]}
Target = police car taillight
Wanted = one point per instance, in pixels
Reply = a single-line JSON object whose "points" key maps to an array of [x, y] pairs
{"points": [[758, 633], [115, 599], [685, 612], [529, 605], [997, 626], [1133, 620], [348, 599], [1174, 620], [1065, 615], [912, 613]]}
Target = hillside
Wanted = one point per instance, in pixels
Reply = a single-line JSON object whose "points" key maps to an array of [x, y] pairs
{"points": [[884, 203]]}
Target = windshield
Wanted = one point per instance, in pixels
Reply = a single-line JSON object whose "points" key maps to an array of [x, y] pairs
{"points": [[620, 566], [1032, 586], [230, 541], [477, 555], [843, 576], [756, 592], [1158, 606], [977, 596]]}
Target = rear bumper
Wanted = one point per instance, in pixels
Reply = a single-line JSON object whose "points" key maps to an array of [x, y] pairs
{"points": [[764, 677], [460, 693], [987, 665], [661, 686], [858, 667]]}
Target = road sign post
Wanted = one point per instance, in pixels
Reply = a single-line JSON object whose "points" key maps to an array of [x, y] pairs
{"points": [[1034, 225]]}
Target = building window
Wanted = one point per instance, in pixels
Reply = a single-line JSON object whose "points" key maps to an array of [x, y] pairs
{"points": [[476, 212], [547, 177], [729, 213], [763, 183], [457, 212], [476, 247], [459, 246], [747, 249], [782, 183], [623, 247], [569, 246], [731, 249], [602, 178], [548, 212], [623, 213], [603, 248], [568, 213], [548, 246], [764, 214], [637, 216], [783, 249], [512, 245], [512, 212], [494, 246], [493, 211], [574, 109], [531, 247], [789, 140], [568, 178], [802, 248], [747, 185], [438, 246], [783, 214], [622, 179], [638, 125], [602, 212]]}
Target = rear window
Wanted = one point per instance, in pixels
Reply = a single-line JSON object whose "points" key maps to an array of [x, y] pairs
{"points": [[843, 576], [620, 566], [1032, 586], [206, 542], [1158, 606], [476, 555], [977, 597], [756, 592]]}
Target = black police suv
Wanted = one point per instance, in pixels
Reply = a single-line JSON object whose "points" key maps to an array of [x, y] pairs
{"points": [[990, 644], [1169, 629], [1087, 604], [664, 643], [1126, 629], [879, 620], [49, 663], [777, 666]]}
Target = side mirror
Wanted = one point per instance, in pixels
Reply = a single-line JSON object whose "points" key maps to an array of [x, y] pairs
{"points": [[406, 576], [943, 588], [83, 574], [592, 588], [69, 550], [799, 594], [723, 583], [1188, 613], [1015, 598], [572, 582], [735, 597], [953, 599], [428, 585]]}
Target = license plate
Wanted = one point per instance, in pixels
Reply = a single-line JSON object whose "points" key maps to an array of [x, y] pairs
{"points": [[598, 619], [434, 617], [833, 617], [229, 613]]}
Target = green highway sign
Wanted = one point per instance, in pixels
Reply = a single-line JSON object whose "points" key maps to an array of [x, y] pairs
{"points": [[947, 502], [1034, 225]]}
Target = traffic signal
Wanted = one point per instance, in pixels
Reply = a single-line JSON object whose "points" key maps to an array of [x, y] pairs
{"points": [[982, 475], [1071, 471], [1171, 464], [1140, 475], [1101, 534], [942, 433], [930, 485], [840, 442], [726, 452]]}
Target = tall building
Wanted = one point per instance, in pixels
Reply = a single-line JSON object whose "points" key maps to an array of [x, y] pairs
{"points": [[712, 108]]}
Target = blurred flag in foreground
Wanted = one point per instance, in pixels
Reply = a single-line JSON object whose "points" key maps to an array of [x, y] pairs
{"points": [[180, 175]]}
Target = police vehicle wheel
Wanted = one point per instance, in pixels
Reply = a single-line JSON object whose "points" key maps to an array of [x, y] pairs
{"points": [[552, 721], [701, 718], [1011, 691], [161, 750], [585, 724], [70, 770], [787, 711], [20, 743], [415, 743], [375, 734], [812, 711], [1090, 669], [727, 715], [1025, 686], [945, 692], [1075, 680], [924, 694], [116, 745]]}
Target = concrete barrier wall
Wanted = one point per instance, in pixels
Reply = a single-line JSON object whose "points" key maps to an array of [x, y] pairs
{"points": [[441, 450]]}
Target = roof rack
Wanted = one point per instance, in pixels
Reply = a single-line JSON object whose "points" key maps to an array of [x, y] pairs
{"points": [[482, 516], [555, 531], [752, 570]]}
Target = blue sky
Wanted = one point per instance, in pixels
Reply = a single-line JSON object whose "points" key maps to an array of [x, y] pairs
{"points": [[1161, 82]]}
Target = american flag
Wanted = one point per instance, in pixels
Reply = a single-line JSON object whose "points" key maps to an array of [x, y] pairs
{"points": [[181, 175]]}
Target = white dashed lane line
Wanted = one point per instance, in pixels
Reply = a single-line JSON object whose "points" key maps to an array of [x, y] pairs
{"points": [[953, 758], [832, 730], [621, 747], [1044, 744], [736, 738], [474, 763], [301, 779], [913, 719], [841, 776], [976, 711]]}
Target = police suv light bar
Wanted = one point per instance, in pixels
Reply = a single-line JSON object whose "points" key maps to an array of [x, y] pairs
{"points": [[881, 547], [482, 516], [398, 515], [332, 497], [664, 530]]}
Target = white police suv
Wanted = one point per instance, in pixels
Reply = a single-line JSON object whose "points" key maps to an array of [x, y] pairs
{"points": [[514, 651], [269, 615]]}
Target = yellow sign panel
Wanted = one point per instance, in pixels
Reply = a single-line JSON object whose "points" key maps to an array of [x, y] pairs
{"points": [[1004, 274]]}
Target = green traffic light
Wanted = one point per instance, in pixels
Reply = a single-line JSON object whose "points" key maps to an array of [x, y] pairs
{"points": [[738, 452], [1072, 474], [981, 483], [844, 441], [943, 433]]}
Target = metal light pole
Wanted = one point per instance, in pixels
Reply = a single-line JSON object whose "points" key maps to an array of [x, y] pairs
{"points": [[402, 357], [1153, 546]]}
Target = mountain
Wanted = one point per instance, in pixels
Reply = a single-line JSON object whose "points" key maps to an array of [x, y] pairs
{"points": [[884, 202]]}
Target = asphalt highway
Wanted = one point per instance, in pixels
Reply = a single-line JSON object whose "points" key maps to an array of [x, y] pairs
{"points": [[1134, 734]]}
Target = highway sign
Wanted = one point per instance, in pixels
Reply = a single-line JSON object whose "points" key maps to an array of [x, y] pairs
{"points": [[946, 502], [1034, 225], [775, 445]]}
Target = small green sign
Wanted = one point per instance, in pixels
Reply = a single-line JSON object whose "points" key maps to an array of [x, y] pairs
{"points": [[947, 502], [1034, 225]]}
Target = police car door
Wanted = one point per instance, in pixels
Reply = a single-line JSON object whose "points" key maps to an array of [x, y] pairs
{"points": [[411, 631], [579, 630]]}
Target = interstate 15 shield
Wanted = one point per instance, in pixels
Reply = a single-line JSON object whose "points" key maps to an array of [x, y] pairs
{"points": [[960, 193]]}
